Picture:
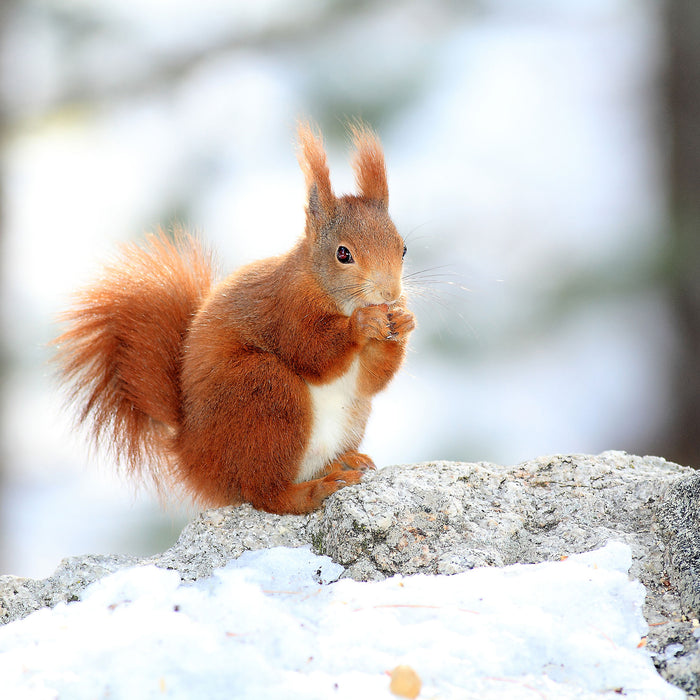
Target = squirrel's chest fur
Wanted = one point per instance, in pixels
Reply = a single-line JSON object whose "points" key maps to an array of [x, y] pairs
{"points": [[339, 416]]}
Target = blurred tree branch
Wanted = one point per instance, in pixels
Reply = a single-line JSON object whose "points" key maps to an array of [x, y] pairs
{"points": [[682, 443], [5, 8], [90, 86]]}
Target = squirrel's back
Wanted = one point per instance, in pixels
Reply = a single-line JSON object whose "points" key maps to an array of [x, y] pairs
{"points": [[121, 351]]}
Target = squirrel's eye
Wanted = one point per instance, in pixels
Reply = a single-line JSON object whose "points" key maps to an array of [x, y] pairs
{"points": [[344, 255], [403, 255]]}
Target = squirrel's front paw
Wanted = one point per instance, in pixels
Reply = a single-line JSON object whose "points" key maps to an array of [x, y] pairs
{"points": [[381, 323], [401, 322], [373, 322]]}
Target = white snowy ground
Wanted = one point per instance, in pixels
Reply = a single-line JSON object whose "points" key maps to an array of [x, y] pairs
{"points": [[277, 624]]}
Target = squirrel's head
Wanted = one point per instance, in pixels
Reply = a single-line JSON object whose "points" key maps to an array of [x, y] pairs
{"points": [[356, 251]]}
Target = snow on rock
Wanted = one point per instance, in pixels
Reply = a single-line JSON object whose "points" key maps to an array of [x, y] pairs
{"points": [[278, 623]]}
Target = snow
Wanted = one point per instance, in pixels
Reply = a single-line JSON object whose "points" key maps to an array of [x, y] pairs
{"points": [[278, 624]]}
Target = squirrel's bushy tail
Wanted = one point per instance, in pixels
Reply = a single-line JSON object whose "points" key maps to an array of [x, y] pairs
{"points": [[122, 348]]}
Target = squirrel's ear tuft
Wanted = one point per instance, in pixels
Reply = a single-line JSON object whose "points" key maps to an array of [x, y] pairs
{"points": [[370, 170], [312, 158]]}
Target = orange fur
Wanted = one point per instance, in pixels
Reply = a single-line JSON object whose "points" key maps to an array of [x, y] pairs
{"points": [[259, 388], [121, 352], [370, 171]]}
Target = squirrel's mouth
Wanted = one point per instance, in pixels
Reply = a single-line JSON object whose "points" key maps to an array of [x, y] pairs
{"points": [[380, 299], [347, 306]]}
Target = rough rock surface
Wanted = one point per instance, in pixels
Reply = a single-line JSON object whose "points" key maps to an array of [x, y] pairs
{"points": [[444, 517]]}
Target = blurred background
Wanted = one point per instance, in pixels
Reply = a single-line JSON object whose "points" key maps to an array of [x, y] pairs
{"points": [[544, 166]]}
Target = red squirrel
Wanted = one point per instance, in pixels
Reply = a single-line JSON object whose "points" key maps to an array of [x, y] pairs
{"points": [[256, 389]]}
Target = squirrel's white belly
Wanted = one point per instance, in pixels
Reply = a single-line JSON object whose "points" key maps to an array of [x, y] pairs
{"points": [[339, 417]]}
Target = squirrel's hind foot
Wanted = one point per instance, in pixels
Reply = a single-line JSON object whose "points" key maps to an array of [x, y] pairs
{"points": [[351, 460], [307, 496]]}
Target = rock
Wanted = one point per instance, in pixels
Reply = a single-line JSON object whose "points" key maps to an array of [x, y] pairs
{"points": [[679, 521], [674, 648], [446, 517], [218, 535], [21, 596], [678, 518]]}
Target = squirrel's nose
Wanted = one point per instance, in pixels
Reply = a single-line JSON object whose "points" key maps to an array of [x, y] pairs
{"points": [[387, 288]]}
